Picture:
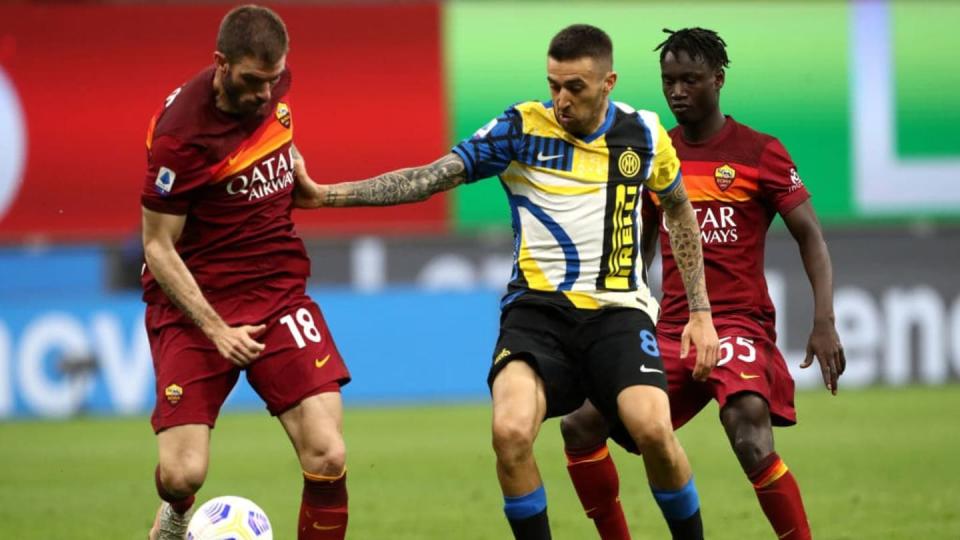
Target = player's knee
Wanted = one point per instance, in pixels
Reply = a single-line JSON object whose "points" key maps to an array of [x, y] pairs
{"points": [[750, 451], [654, 437], [512, 438], [582, 430], [324, 460], [183, 478]]}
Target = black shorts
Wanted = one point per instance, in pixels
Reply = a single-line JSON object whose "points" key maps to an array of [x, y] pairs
{"points": [[580, 353]]}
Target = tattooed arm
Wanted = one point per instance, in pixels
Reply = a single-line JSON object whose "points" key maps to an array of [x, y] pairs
{"points": [[396, 187], [160, 234], [688, 254]]}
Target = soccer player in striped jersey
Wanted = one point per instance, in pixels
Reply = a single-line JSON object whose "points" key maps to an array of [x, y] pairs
{"points": [[577, 316], [738, 180]]}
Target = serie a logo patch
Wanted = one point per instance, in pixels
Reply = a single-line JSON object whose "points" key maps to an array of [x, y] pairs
{"points": [[173, 393], [724, 176], [164, 182], [283, 115]]}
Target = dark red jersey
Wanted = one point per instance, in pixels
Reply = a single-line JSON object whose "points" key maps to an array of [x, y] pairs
{"points": [[737, 181], [233, 179]]}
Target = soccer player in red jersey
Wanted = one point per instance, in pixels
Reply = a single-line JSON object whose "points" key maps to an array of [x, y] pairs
{"points": [[738, 180], [225, 277]]}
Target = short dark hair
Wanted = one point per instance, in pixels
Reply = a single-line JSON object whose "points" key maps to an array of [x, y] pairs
{"points": [[581, 40], [252, 31], [697, 43]]}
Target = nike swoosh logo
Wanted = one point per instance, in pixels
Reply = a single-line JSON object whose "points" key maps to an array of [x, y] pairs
{"points": [[786, 534], [320, 527], [645, 369], [746, 377], [541, 157], [320, 363]]}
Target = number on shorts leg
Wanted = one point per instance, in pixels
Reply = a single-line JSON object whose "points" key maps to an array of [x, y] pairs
{"points": [[745, 344], [648, 343], [307, 328]]}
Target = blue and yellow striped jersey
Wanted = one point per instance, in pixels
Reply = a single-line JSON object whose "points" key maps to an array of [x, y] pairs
{"points": [[575, 201]]}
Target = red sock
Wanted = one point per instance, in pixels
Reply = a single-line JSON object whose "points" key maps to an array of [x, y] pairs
{"points": [[780, 498], [323, 508], [180, 504], [595, 479]]}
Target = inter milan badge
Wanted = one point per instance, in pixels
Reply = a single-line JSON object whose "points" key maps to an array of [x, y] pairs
{"points": [[173, 393], [629, 163], [724, 176], [283, 115]]}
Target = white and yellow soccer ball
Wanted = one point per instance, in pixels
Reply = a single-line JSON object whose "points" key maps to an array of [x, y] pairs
{"points": [[229, 518]]}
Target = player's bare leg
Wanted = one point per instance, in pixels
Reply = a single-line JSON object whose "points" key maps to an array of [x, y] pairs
{"points": [[184, 453], [519, 407], [315, 427], [746, 419], [592, 471], [645, 412]]}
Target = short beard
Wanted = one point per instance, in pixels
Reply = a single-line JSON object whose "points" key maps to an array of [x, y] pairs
{"points": [[232, 93]]}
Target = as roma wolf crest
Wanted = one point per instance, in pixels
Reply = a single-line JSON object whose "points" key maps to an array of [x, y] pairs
{"points": [[724, 175], [283, 114]]}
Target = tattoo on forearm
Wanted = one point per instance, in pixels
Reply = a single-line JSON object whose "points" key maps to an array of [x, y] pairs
{"points": [[685, 242], [402, 186]]}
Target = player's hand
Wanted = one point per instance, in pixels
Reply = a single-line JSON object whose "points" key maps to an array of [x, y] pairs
{"points": [[700, 331], [306, 192], [237, 343], [824, 343]]}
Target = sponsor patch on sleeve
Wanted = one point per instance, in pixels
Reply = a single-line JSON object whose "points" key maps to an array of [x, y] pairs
{"points": [[164, 183]]}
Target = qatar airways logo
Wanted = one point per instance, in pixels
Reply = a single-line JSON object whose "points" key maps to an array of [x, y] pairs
{"points": [[13, 142], [717, 225], [265, 178]]}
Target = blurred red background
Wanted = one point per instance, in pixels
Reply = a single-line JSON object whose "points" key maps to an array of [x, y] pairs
{"points": [[90, 76]]}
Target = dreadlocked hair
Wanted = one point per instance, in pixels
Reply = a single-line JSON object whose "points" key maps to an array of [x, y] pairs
{"points": [[697, 43]]}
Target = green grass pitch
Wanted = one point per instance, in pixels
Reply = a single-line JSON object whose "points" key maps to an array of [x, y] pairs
{"points": [[877, 463]]}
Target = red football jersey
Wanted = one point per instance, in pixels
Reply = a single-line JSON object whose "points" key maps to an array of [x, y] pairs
{"points": [[737, 181], [233, 179]]}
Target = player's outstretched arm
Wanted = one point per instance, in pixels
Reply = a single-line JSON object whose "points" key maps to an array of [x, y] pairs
{"points": [[824, 343], [685, 243], [160, 234], [395, 187]]}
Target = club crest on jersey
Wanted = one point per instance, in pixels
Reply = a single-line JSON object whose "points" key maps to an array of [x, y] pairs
{"points": [[173, 393], [629, 163], [283, 115], [164, 183], [724, 175], [795, 181]]}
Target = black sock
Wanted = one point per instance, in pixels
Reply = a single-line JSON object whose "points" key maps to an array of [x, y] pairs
{"points": [[690, 528], [535, 527]]}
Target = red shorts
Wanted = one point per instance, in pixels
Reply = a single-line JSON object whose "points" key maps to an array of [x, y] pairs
{"points": [[193, 380], [749, 362]]}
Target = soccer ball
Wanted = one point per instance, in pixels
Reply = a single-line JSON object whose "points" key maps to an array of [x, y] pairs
{"points": [[229, 518]]}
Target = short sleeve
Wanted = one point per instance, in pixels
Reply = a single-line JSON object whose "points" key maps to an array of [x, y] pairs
{"points": [[780, 183], [175, 171], [665, 172], [491, 149]]}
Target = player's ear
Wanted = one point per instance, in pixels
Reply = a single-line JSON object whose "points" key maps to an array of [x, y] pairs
{"points": [[220, 60], [719, 78], [609, 82]]}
